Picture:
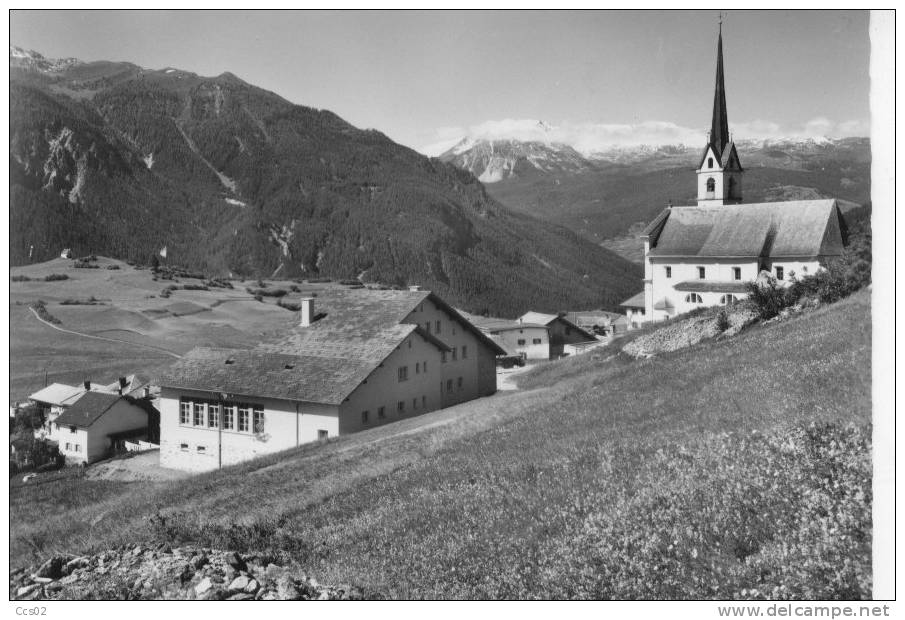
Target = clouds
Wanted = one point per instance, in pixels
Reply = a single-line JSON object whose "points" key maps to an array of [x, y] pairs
{"points": [[590, 137]]}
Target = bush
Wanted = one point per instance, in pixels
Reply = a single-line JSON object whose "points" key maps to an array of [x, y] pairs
{"points": [[722, 320], [266, 292], [295, 289], [20, 279], [289, 305], [319, 280], [55, 277], [91, 301], [259, 298], [41, 308], [350, 282], [112, 266]]}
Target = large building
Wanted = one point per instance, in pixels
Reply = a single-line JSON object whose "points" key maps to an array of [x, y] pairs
{"points": [[357, 359], [706, 254]]}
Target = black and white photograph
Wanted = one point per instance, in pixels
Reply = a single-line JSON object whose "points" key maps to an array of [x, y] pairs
{"points": [[452, 305]]}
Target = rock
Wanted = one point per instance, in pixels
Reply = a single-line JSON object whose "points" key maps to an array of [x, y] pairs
{"points": [[41, 579], [56, 586], [52, 568], [137, 550], [273, 571], [203, 586], [186, 574], [71, 578], [26, 590], [287, 590], [199, 560], [241, 596], [252, 585], [238, 584]]}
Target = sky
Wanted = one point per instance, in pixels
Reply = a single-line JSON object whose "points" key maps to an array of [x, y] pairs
{"points": [[428, 79]]}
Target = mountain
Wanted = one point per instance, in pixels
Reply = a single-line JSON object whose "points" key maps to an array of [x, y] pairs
{"points": [[111, 158], [607, 195]]}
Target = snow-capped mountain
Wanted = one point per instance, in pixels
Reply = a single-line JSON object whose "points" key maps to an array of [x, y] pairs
{"points": [[28, 58], [496, 160]]}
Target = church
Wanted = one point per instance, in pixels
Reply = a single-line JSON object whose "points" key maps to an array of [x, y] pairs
{"points": [[706, 254]]}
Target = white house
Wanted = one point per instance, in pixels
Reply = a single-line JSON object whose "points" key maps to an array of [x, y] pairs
{"points": [[356, 359], [562, 331], [88, 429], [706, 254], [528, 340]]}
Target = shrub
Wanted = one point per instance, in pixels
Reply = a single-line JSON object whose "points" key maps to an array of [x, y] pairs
{"points": [[722, 320], [112, 266], [91, 301], [41, 308], [289, 305], [55, 277], [295, 289], [259, 298], [350, 282], [319, 280], [266, 292], [20, 279]]}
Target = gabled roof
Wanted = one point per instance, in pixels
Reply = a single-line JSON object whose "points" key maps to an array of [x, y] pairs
{"points": [[635, 301], [264, 374], [87, 409], [546, 319], [803, 228], [728, 160], [58, 394], [711, 286]]}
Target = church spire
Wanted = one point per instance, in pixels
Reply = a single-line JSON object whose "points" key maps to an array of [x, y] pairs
{"points": [[719, 127]]}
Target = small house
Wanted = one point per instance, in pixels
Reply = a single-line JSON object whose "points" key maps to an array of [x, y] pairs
{"points": [[562, 331], [89, 429]]}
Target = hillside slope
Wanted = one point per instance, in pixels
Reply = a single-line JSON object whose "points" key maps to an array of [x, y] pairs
{"points": [[716, 471], [113, 159]]}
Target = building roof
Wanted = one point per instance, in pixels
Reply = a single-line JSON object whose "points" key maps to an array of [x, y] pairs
{"points": [[353, 333], [593, 317], [719, 125], [58, 394], [635, 301], [664, 304], [801, 228], [711, 286], [545, 319], [264, 374], [87, 409]]}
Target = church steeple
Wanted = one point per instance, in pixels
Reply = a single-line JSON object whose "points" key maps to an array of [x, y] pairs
{"points": [[719, 126], [720, 171]]}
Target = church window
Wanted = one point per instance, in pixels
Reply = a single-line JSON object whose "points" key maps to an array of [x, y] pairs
{"points": [[702, 273], [668, 271], [779, 273], [710, 162], [693, 298], [728, 300], [711, 185]]}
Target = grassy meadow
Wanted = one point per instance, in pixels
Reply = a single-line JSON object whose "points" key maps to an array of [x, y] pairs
{"points": [[736, 468]]}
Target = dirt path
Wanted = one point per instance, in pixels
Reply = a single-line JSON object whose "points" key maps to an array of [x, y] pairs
{"points": [[117, 340]]}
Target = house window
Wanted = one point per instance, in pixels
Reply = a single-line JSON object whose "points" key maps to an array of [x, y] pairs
{"points": [[702, 273], [229, 415], [400, 406], [460, 383], [199, 414], [449, 385], [736, 273], [259, 420], [779, 273], [464, 352], [668, 271], [213, 415], [438, 327], [322, 434], [201, 449], [424, 401], [454, 352], [536, 341], [185, 412], [68, 446], [728, 300], [415, 404], [243, 418], [72, 429], [417, 368], [410, 343], [710, 162], [403, 373], [381, 412], [77, 446], [711, 186], [521, 342], [184, 447], [364, 417], [427, 327], [443, 356], [424, 365], [693, 298]]}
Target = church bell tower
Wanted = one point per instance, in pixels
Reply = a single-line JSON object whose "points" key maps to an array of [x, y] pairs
{"points": [[720, 171]]}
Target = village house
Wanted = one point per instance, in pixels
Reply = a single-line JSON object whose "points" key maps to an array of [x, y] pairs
{"points": [[601, 323], [706, 254], [562, 332], [90, 428], [635, 312], [529, 341], [356, 359]]}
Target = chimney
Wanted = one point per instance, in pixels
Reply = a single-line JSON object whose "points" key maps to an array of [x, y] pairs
{"points": [[307, 307], [122, 383], [414, 288], [87, 385], [147, 391]]}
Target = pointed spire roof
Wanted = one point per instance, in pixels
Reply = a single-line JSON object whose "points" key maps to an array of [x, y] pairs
{"points": [[719, 128]]}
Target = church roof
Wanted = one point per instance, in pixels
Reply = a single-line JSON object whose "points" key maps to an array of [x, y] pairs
{"points": [[719, 126], [802, 228]]}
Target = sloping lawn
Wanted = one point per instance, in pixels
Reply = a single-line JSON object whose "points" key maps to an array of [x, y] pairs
{"points": [[731, 469]]}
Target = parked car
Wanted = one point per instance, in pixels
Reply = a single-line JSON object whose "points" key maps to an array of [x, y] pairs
{"points": [[508, 361]]}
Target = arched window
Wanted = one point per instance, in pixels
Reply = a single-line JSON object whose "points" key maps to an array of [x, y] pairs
{"points": [[711, 185], [710, 162], [728, 300], [693, 298]]}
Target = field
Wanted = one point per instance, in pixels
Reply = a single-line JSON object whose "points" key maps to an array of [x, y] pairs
{"points": [[736, 468], [130, 310]]}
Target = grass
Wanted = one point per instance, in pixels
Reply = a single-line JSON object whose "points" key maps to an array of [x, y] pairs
{"points": [[736, 468]]}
